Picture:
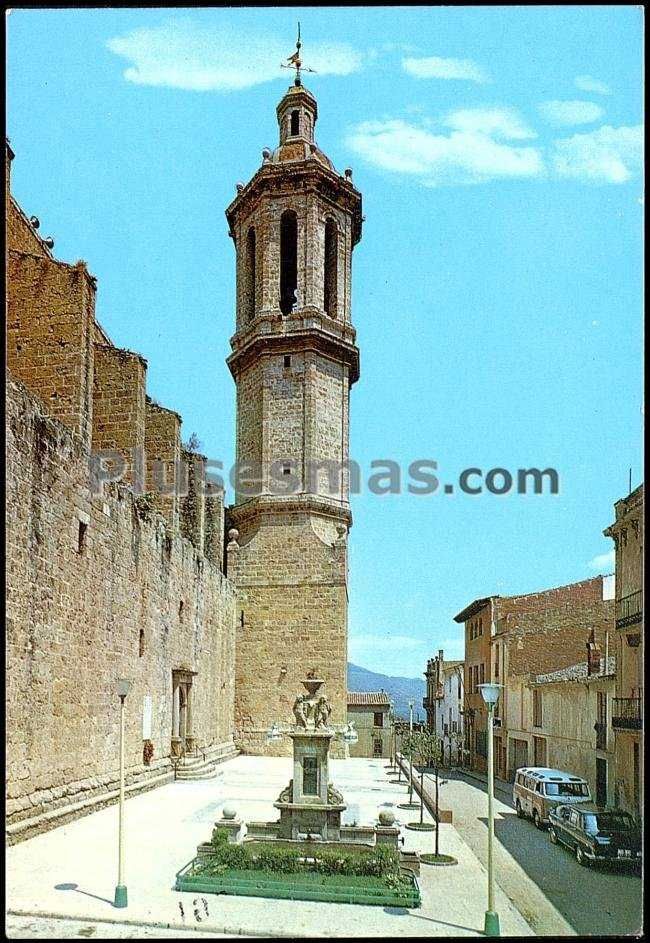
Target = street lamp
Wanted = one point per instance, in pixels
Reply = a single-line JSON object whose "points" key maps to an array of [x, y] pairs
{"points": [[121, 897], [490, 694], [411, 753]]}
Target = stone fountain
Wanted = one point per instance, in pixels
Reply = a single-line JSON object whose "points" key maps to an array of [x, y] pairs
{"points": [[310, 806]]}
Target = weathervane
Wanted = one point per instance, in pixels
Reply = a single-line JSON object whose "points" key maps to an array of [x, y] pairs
{"points": [[295, 62]]}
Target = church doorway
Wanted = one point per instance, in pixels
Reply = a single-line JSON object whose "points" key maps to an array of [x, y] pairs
{"points": [[183, 740]]}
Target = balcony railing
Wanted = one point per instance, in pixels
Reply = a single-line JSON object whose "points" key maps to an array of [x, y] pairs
{"points": [[627, 713], [629, 609]]}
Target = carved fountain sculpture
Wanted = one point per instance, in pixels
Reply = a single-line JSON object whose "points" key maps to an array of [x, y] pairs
{"points": [[310, 806]]}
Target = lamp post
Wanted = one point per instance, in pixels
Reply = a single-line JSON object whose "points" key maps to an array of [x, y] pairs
{"points": [[490, 694], [121, 897], [411, 753]]}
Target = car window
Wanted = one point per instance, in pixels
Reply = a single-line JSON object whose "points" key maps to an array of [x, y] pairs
{"points": [[538, 787], [614, 821], [572, 790], [574, 819]]}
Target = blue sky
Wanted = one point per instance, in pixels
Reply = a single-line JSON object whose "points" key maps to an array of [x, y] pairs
{"points": [[497, 287]]}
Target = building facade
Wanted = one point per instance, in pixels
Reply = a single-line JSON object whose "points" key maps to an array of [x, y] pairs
{"points": [[444, 703], [627, 716], [107, 577], [522, 635], [371, 715], [294, 358], [560, 719]]}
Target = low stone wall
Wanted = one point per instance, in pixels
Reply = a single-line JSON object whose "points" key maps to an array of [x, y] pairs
{"points": [[440, 814]]}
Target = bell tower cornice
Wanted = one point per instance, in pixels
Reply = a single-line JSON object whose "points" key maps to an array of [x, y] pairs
{"points": [[273, 179]]}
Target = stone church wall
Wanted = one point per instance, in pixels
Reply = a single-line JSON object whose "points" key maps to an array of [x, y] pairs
{"points": [[103, 583]]}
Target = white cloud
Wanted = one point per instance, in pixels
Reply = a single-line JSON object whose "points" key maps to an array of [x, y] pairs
{"points": [[182, 54], [499, 122], [570, 112], [433, 67], [469, 153], [603, 563], [588, 84], [606, 155]]}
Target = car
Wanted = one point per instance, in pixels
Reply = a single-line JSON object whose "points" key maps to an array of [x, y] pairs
{"points": [[538, 789], [596, 834]]}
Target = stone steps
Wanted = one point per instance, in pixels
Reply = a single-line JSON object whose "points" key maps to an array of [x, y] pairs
{"points": [[195, 768]]}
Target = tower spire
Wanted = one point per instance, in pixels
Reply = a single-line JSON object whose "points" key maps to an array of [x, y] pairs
{"points": [[295, 62]]}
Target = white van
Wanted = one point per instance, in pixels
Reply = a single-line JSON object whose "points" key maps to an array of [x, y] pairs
{"points": [[537, 790]]}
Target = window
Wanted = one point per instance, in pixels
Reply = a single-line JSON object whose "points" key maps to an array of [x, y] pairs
{"points": [[496, 662], [331, 268], [537, 708], [81, 537], [378, 719], [295, 122], [310, 776], [376, 747], [141, 644], [288, 261], [250, 282], [482, 673], [287, 361], [572, 790], [480, 626]]}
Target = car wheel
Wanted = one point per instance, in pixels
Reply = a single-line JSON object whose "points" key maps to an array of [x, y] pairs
{"points": [[580, 857], [536, 819], [520, 811], [552, 834]]}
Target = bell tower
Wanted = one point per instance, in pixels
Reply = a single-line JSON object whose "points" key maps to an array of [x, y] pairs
{"points": [[293, 360]]}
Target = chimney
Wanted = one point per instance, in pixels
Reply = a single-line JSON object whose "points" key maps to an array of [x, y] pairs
{"points": [[593, 655]]}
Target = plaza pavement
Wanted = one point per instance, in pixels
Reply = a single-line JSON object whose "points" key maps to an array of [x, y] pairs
{"points": [[71, 871]]}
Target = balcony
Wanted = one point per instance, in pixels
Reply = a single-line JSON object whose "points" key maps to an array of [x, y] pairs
{"points": [[629, 609], [627, 713]]}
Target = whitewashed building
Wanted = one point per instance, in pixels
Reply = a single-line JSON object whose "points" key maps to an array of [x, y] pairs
{"points": [[443, 704]]}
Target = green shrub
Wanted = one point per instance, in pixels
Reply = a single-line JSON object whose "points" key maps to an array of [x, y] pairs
{"points": [[381, 861]]}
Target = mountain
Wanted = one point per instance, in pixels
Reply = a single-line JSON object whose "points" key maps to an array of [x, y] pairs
{"points": [[401, 690]]}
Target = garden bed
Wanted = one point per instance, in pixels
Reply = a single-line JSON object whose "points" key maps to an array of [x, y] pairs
{"points": [[302, 871], [306, 885]]}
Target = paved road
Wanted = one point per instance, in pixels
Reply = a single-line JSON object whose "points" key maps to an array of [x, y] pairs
{"points": [[545, 883]]}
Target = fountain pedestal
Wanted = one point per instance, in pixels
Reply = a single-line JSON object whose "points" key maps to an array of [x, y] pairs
{"points": [[310, 806]]}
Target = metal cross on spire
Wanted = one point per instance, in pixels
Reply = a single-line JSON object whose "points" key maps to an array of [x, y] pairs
{"points": [[295, 62]]}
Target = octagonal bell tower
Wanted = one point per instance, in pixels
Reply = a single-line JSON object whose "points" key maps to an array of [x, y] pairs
{"points": [[294, 359]]}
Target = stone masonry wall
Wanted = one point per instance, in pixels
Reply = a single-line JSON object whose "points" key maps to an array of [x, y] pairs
{"points": [[50, 318], [292, 593], [97, 590], [162, 445], [119, 404]]}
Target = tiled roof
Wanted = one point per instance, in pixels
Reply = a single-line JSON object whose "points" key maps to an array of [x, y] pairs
{"points": [[574, 673], [370, 698]]}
